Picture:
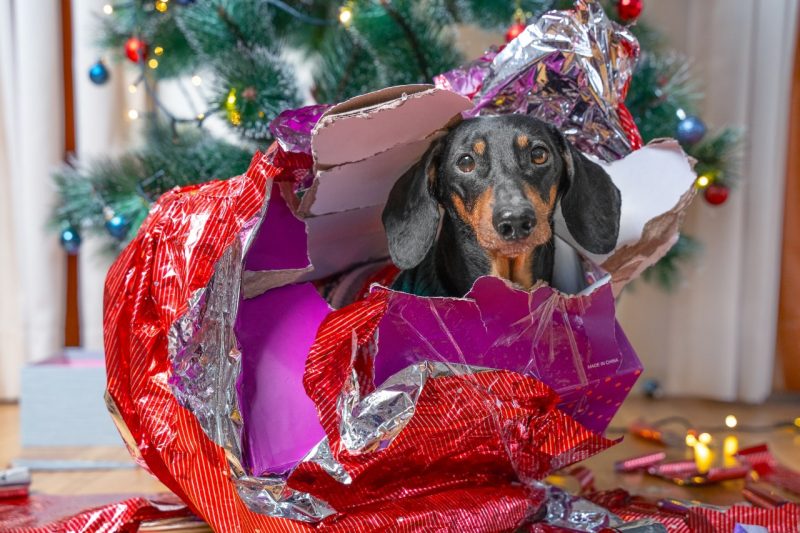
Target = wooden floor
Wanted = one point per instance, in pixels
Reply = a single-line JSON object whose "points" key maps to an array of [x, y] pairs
{"points": [[784, 443]]}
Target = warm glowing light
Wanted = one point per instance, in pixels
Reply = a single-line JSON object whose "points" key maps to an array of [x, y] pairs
{"points": [[161, 6], [730, 446], [158, 50], [702, 457], [345, 15], [230, 104], [152, 63], [108, 9], [681, 114], [703, 181], [691, 440], [133, 114], [797, 421], [132, 88], [197, 80], [731, 421], [201, 116], [704, 438]]}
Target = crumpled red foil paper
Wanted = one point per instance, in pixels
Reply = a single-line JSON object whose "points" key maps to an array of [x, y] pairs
{"points": [[147, 289], [694, 517], [469, 433], [466, 462], [41, 513]]}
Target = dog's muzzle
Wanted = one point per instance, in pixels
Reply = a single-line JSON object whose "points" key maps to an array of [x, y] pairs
{"points": [[514, 223]]}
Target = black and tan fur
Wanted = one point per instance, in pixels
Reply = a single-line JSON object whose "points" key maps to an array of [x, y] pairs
{"points": [[493, 184]]}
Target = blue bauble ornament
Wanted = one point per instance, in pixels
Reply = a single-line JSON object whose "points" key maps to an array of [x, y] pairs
{"points": [[70, 240], [98, 73], [117, 226], [652, 388], [690, 130]]}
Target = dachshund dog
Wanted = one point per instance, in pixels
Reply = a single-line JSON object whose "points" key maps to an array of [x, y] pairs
{"points": [[493, 184]]}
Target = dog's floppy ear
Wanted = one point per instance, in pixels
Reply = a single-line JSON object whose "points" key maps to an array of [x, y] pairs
{"points": [[411, 215], [590, 202]]}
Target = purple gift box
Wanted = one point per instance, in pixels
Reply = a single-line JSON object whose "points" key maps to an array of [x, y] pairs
{"points": [[567, 336]]}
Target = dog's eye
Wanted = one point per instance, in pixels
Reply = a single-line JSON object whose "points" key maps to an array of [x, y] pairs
{"points": [[539, 156], [466, 163]]}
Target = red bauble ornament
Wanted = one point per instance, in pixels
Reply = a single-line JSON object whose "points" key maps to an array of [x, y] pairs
{"points": [[514, 30], [135, 49], [716, 194], [629, 10]]}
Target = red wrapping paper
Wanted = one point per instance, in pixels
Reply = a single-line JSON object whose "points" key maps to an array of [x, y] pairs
{"points": [[434, 474], [696, 518], [82, 514], [429, 459], [147, 289]]}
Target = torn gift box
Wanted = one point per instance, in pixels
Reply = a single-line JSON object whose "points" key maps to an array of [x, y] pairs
{"points": [[237, 384]]}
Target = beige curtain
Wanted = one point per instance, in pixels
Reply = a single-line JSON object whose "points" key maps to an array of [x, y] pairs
{"points": [[31, 145], [715, 336]]}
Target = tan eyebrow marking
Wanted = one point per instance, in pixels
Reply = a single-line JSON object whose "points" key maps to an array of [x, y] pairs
{"points": [[479, 147], [522, 140]]}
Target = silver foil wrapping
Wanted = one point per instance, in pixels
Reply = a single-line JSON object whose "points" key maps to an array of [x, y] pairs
{"points": [[569, 68]]}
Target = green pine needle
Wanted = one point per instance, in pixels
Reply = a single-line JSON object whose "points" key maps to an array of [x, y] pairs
{"points": [[128, 185]]}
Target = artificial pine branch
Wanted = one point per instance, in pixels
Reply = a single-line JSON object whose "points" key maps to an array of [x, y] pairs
{"points": [[385, 43], [410, 37]]}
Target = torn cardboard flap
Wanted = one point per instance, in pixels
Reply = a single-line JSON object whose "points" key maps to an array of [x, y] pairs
{"points": [[375, 122], [656, 184], [362, 146]]}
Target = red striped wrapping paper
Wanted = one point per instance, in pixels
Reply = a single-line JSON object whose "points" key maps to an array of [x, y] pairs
{"points": [[431, 476]]}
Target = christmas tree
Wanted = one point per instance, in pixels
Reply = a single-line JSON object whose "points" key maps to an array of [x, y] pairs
{"points": [[237, 51]]}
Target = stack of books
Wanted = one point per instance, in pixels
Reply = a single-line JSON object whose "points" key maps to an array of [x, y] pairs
{"points": [[14, 483]]}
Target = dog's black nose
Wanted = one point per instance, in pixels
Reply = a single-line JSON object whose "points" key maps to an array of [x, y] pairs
{"points": [[514, 224]]}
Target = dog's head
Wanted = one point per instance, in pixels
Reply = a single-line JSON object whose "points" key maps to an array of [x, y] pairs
{"points": [[502, 177]]}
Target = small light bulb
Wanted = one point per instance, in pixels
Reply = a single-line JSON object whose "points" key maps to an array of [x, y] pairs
{"points": [[108, 9], [705, 438], [797, 421], [201, 116], [345, 15], [158, 50], [681, 114], [703, 458], [731, 421], [152, 63], [231, 97], [730, 446], [703, 181], [132, 88], [197, 80], [691, 440], [161, 6], [133, 114]]}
